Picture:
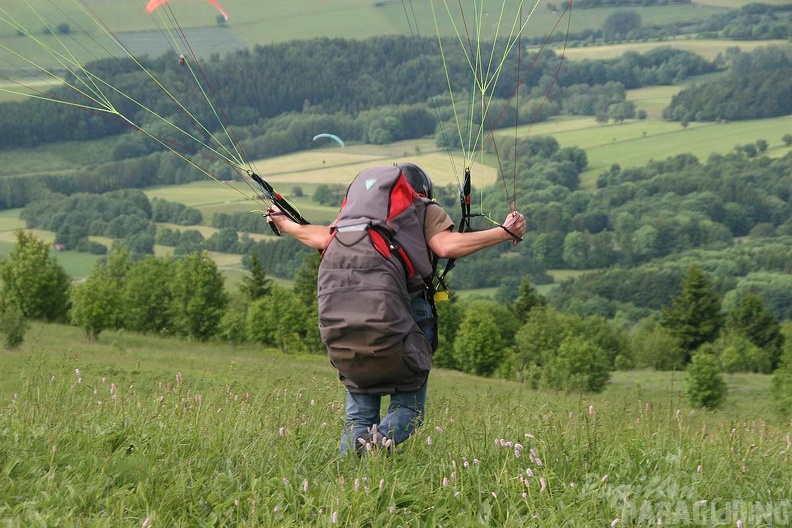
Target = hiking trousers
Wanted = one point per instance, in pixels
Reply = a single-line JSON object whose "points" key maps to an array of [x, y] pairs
{"points": [[405, 414]]}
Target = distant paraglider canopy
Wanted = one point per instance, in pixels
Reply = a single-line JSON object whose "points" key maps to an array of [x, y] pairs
{"points": [[330, 136], [154, 4]]}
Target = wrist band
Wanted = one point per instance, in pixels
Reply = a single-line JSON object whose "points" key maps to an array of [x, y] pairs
{"points": [[514, 236]]}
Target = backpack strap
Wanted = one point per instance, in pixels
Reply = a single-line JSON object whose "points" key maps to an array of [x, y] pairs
{"points": [[386, 245]]}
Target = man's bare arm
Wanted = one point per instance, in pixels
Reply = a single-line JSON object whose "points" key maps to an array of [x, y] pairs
{"points": [[312, 235], [448, 244]]}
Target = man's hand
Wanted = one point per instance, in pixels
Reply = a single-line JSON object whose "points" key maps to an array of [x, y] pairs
{"points": [[278, 220], [515, 226], [312, 235]]}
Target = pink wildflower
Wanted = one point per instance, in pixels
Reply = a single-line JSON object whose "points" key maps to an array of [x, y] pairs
{"points": [[146, 523], [305, 486], [428, 440], [614, 522], [543, 484]]}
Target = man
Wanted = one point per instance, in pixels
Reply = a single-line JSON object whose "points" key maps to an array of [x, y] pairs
{"points": [[374, 373]]}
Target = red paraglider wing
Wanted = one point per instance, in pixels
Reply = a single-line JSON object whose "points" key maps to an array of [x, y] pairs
{"points": [[219, 8], [154, 4]]}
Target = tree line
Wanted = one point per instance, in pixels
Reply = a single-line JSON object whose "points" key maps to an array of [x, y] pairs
{"points": [[757, 85], [521, 339]]}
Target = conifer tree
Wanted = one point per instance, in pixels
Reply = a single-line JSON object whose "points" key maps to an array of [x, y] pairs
{"points": [[694, 316], [257, 285], [752, 320]]}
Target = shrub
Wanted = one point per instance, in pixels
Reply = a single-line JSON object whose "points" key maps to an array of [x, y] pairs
{"points": [[13, 324], [579, 366], [705, 385]]}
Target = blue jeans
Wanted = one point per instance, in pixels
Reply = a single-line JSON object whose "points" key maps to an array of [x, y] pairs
{"points": [[405, 414]]}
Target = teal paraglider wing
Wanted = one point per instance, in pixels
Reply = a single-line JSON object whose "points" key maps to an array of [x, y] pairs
{"points": [[330, 136]]}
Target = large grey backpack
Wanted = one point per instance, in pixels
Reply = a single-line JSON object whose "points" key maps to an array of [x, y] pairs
{"points": [[376, 260]]}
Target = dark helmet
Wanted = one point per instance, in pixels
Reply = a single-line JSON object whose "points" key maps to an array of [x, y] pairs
{"points": [[417, 179]]}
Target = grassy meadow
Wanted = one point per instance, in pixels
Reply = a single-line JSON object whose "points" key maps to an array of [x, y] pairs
{"points": [[251, 23], [707, 48], [145, 431]]}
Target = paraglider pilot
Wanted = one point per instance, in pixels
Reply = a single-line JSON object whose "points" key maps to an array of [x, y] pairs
{"points": [[406, 386]]}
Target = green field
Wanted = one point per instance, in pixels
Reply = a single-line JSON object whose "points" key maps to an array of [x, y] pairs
{"points": [[251, 23], [634, 143], [145, 431], [707, 48]]}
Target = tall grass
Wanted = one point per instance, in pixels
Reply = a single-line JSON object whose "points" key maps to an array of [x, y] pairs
{"points": [[183, 434]]}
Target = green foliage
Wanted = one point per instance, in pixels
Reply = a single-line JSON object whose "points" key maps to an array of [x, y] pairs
{"points": [[619, 24], [13, 324], [705, 384], [539, 340], [737, 353], [96, 304], [656, 348], [694, 317], [148, 297], [751, 319], [449, 319], [257, 284], [478, 347], [329, 194], [782, 384], [528, 299], [306, 295], [31, 278], [199, 297], [233, 325], [277, 320], [754, 89], [174, 213], [578, 365]]}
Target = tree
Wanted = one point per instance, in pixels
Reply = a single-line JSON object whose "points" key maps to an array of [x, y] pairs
{"points": [[13, 324], [306, 294], [787, 139], [257, 284], [782, 384], [96, 304], [694, 317], [527, 299], [752, 320], [275, 320], [656, 348], [478, 347], [705, 385], [579, 365], [575, 250], [33, 280], [619, 24], [199, 297], [147, 296]]}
